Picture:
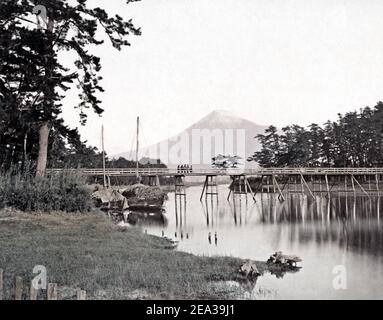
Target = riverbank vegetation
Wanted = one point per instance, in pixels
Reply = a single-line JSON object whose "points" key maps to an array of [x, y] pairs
{"points": [[354, 140], [64, 191], [87, 251]]}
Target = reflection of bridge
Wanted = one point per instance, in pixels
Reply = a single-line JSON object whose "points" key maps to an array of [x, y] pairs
{"points": [[270, 180]]}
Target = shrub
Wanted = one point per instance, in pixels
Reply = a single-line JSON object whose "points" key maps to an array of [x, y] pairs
{"points": [[64, 191]]}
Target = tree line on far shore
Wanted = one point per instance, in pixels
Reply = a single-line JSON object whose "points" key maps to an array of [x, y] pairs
{"points": [[355, 139]]}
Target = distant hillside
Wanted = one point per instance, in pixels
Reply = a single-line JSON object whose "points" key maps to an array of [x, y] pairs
{"points": [[218, 132]]}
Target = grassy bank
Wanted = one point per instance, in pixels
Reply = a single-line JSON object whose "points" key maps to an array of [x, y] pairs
{"points": [[89, 252]]}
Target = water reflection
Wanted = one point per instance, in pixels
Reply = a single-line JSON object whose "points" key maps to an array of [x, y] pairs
{"points": [[150, 219], [342, 230], [351, 222]]}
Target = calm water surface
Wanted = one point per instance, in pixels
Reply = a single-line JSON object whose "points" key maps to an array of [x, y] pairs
{"points": [[342, 231]]}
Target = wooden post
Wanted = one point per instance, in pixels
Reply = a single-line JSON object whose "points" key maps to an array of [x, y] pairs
{"points": [[251, 190], [345, 184], [230, 188], [246, 188], [327, 186], [33, 292], [81, 294], [103, 155], [52, 291], [176, 208], [307, 186], [369, 182], [353, 185], [216, 187], [280, 196], [377, 184], [261, 186], [1, 284], [211, 185], [137, 148], [285, 184], [19, 288], [180, 186], [288, 184], [296, 183], [204, 189], [357, 182], [273, 179]]}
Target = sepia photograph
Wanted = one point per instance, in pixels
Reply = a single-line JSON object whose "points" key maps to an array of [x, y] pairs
{"points": [[208, 152]]}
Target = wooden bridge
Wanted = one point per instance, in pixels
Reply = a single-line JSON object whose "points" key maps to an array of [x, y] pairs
{"points": [[312, 181], [224, 172]]}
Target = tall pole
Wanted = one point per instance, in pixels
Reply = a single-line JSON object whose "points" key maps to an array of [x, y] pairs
{"points": [[103, 154], [137, 147]]}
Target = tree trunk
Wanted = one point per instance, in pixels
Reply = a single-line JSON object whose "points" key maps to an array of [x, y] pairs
{"points": [[25, 149], [43, 149], [48, 94]]}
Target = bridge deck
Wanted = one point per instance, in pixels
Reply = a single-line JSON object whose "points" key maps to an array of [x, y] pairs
{"points": [[227, 172]]}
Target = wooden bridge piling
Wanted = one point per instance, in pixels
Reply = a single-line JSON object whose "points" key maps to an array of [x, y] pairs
{"points": [[154, 181], [240, 185], [280, 181], [210, 187], [180, 188]]}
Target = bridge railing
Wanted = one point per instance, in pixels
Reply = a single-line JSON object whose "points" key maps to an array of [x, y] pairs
{"points": [[223, 172], [314, 171]]}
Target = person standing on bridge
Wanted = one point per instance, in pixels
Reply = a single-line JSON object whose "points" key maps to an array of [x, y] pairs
{"points": [[209, 237]]}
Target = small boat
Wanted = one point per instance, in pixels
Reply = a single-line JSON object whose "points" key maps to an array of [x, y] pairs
{"points": [[145, 204], [142, 197]]}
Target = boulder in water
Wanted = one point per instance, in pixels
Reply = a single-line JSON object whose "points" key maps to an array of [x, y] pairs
{"points": [[249, 269]]}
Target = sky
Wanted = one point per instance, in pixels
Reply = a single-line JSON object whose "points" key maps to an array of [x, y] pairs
{"points": [[270, 61]]}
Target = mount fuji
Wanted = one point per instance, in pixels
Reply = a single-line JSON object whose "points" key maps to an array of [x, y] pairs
{"points": [[218, 132]]}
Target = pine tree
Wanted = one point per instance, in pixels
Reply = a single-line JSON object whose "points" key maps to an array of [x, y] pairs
{"points": [[31, 71]]}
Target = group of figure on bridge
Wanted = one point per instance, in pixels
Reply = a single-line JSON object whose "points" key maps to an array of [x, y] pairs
{"points": [[184, 168]]}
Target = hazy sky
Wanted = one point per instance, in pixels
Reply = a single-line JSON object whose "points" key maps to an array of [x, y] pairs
{"points": [[272, 62]]}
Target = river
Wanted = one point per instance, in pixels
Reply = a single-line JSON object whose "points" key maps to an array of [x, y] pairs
{"points": [[340, 240]]}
